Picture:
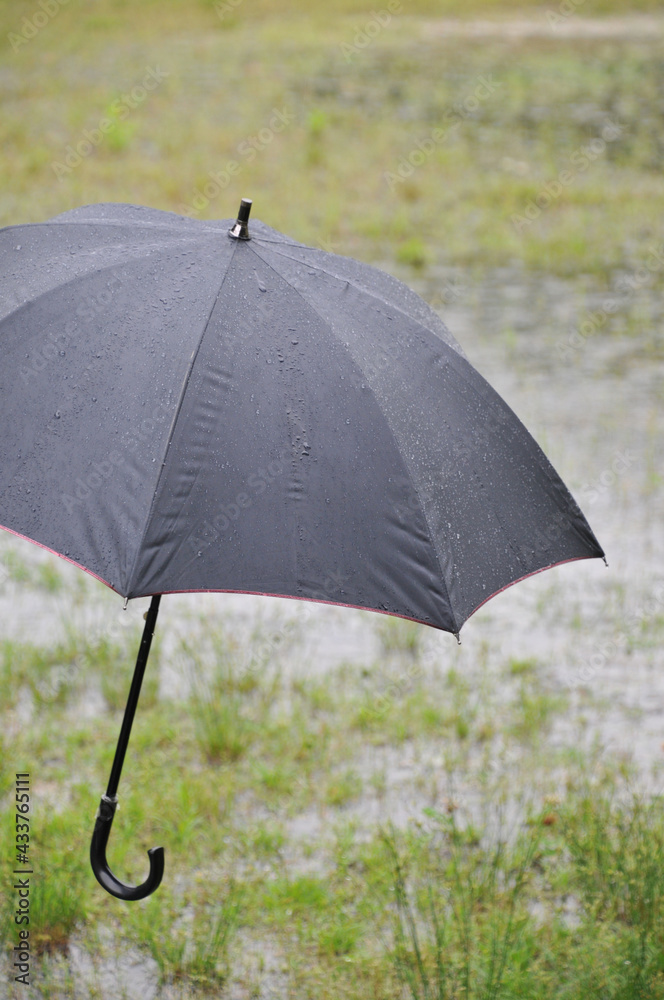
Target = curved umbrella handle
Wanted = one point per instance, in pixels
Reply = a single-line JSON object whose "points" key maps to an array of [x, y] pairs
{"points": [[103, 873], [109, 801]]}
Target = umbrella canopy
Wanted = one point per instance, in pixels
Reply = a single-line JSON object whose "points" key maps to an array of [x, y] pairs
{"points": [[185, 408]]}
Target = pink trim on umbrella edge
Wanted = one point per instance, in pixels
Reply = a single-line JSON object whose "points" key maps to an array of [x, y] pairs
{"points": [[533, 572], [310, 600], [53, 552], [293, 597]]}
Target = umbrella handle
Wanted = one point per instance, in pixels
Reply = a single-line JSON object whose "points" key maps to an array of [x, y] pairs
{"points": [[109, 801], [103, 873]]}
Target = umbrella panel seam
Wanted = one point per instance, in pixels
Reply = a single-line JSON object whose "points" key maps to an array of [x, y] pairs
{"points": [[455, 346], [391, 431], [171, 433]]}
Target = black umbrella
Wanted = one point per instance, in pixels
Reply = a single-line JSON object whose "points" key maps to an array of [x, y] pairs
{"points": [[188, 407]]}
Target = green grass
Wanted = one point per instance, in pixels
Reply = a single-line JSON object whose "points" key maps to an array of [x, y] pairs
{"points": [[63, 671], [44, 575], [191, 947], [458, 933], [456, 900], [352, 125], [58, 900], [464, 922]]}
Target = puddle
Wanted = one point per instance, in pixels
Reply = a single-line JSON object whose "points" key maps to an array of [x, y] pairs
{"points": [[562, 26]]}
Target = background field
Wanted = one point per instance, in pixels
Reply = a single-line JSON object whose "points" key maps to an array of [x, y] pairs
{"points": [[353, 806]]}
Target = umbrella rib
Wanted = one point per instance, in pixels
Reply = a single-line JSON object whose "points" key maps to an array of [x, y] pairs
{"points": [[178, 409], [563, 498], [69, 281], [368, 292], [388, 425], [110, 223]]}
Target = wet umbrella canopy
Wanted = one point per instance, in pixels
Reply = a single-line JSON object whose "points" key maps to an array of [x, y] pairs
{"points": [[194, 406]]}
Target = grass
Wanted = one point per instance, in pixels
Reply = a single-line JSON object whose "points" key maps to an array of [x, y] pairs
{"points": [[471, 929], [66, 669], [359, 128], [45, 575], [192, 945], [458, 935], [459, 902]]}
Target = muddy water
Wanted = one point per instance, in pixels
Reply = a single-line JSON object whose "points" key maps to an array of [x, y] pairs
{"points": [[594, 402]]}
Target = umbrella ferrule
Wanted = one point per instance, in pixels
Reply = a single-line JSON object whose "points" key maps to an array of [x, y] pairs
{"points": [[240, 230]]}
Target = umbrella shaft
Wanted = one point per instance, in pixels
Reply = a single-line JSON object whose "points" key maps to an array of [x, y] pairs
{"points": [[134, 693]]}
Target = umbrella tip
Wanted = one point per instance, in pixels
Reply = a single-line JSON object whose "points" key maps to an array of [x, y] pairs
{"points": [[240, 230]]}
